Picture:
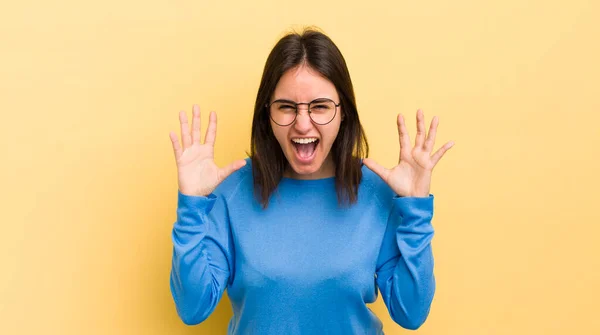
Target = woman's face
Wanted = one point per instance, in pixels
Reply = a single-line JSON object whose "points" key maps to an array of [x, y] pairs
{"points": [[307, 160]]}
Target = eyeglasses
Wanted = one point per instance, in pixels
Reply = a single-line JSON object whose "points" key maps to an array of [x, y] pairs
{"points": [[284, 112]]}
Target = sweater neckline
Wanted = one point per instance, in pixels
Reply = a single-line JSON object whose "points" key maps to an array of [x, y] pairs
{"points": [[318, 181]]}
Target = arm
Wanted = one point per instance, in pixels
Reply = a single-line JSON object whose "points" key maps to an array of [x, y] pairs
{"points": [[405, 263], [202, 256]]}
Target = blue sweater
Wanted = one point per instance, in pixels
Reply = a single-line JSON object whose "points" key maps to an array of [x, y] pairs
{"points": [[304, 265]]}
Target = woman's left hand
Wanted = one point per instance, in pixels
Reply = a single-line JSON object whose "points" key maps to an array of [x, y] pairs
{"points": [[412, 176]]}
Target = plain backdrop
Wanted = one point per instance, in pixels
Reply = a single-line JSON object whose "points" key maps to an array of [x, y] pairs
{"points": [[90, 90]]}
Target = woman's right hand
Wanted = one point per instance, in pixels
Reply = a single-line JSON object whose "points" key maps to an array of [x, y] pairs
{"points": [[197, 172]]}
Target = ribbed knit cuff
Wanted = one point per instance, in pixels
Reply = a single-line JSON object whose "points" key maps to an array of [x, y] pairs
{"points": [[199, 203], [414, 207]]}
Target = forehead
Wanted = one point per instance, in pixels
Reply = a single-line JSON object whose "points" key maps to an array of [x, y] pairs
{"points": [[303, 84]]}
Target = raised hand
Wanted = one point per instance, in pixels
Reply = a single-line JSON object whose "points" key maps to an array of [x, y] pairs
{"points": [[412, 176], [197, 173]]}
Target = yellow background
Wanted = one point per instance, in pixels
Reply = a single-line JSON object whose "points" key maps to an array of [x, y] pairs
{"points": [[89, 92]]}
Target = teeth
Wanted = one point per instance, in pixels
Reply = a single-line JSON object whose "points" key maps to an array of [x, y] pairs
{"points": [[304, 140]]}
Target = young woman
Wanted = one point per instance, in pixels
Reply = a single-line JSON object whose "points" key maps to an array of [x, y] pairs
{"points": [[304, 231]]}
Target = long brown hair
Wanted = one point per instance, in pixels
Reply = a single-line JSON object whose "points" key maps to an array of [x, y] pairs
{"points": [[268, 161]]}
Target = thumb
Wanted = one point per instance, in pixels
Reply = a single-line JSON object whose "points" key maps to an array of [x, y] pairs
{"points": [[378, 169], [231, 168]]}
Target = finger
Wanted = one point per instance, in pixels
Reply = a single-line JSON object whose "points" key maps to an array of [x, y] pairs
{"points": [[403, 136], [185, 130], [441, 151], [211, 131], [196, 124], [231, 168], [176, 146], [420, 138], [430, 142], [382, 172]]}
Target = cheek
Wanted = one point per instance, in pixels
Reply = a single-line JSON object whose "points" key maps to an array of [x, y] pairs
{"points": [[330, 134], [280, 134]]}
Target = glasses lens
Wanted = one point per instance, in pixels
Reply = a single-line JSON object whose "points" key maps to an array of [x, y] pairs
{"points": [[322, 111], [282, 112]]}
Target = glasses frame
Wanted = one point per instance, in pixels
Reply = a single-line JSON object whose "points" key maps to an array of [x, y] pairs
{"points": [[296, 104]]}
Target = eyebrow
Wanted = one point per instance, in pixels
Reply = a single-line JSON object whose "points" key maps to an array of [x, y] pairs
{"points": [[292, 101], [285, 100]]}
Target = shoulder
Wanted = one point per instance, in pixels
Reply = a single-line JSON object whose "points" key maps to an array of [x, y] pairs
{"points": [[238, 179], [374, 186]]}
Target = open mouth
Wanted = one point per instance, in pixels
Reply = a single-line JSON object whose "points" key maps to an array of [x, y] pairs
{"points": [[305, 148]]}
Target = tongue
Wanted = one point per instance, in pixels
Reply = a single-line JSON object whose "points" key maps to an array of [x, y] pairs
{"points": [[306, 150]]}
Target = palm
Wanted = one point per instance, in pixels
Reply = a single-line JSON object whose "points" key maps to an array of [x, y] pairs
{"points": [[197, 163], [404, 175], [412, 175]]}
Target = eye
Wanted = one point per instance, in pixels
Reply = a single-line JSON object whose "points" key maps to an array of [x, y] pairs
{"points": [[286, 107]]}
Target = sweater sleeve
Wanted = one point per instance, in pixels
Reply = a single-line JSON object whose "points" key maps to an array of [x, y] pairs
{"points": [[202, 256], [404, 272]]}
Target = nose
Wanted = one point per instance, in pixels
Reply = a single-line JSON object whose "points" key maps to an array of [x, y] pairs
{"points": [[303, 123]]}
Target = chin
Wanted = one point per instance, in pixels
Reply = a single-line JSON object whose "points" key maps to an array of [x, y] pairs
{"points": [[310, 170], [304, 170]]}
